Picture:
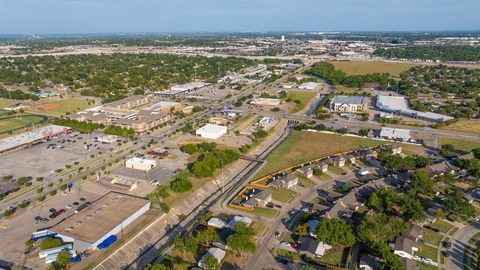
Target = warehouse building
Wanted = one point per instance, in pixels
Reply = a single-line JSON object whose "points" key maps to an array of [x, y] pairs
{"points": [[396, 134], [140, 163], [399, 105], [96, 226], [350, 104], [211, 131], [183, 89], [308, 86], [31, 137]]}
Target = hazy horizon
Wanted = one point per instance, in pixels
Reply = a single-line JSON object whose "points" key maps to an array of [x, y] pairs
{"points": [[241, 16]]}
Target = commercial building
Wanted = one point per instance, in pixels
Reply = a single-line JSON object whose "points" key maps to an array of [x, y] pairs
{"points": [[211, 131], [129, 102], [183, 89], [308, 86], [101, 221], [266, 101], [350, 104], [140, 163], [399, 105], [396, 134], [143, 121], [165, 106], [31, 137]]}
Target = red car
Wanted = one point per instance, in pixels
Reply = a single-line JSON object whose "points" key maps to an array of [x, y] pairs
{"points": [[295, 246], [61, 211]]}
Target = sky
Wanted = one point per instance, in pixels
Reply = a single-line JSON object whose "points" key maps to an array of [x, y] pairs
{"points": [[109, 16]]}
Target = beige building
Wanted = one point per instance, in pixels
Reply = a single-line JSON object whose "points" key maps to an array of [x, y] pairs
{"points": [[350, 104]]}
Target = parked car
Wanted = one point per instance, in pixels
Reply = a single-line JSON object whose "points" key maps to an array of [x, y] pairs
{"points": [[61, 211], [52, 216], [68, 206], [285, 243], [295, 245], [44, 220], [76, 203], [38, 218], [277, 234], [52, 210]]}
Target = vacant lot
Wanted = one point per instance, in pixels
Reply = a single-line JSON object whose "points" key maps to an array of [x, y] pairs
{"points": [[303, 146], [368, 67], [459, 143], [12, 123], [302, 98], [465, 125]]}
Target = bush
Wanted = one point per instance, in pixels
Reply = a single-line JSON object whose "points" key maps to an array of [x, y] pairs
{"points": [[50, 242], [9, 212], [39, 179], [63, 187], [22, 180], [29, 243], [181, 183], [165, 208], [53, 192], [41, 198], [24, 204]]}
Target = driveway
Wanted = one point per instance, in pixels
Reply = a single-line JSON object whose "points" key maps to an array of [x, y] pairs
{"points": [[459, 241]]}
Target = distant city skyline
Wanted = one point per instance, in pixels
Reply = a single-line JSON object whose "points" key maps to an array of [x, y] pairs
{"points": [[113, 16]]}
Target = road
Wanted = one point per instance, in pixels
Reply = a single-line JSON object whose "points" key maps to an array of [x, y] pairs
{"points": [[454, 260]]}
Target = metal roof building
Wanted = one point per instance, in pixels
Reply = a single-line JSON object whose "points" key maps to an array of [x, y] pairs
{"points": [[211, 131], [31, 137], [104, 218], [399, 105], [308, 85], [396, 134]]}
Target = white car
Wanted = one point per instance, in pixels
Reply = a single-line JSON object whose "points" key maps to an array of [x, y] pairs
{"points": [[68, 206]]}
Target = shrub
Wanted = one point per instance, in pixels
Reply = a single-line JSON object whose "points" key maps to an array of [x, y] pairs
{"points": [[24, 204], [53, 192]]}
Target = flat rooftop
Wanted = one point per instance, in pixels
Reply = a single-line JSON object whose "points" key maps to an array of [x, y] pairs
{"points": [[30, 136], [101, 217], [400, 104], [212, 128], [348, 99]]}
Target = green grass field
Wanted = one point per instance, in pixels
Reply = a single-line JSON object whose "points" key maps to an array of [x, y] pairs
{"points": [[8, 124], [59, 106], [368, 67], [333, 256], [304, 98], [303, 146], [459, 144], [432, 237], [336, 170], [305, 181], [282, 194], [442, 226], [427, 252], [464, 125]]}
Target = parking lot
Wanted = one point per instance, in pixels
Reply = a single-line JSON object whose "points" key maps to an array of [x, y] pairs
{"points": [[44, 158], [16, 230]]}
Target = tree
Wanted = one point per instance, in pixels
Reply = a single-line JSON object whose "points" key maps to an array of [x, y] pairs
{"points": [[155, 267], [63, 260], [242, 240], [476, 152], [179, 245], [206, 237], [211, 263], [420, 183], [335, 231], [379, 227], [302, 229]]}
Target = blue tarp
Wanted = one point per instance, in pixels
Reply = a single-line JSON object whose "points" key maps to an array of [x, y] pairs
{"points": [[107, 242], [75, 259]]}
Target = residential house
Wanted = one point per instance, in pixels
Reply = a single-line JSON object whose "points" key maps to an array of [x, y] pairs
{"points": [[405, 247], [288, 181], [439, 169], [473, 195], [322, 166], [345, 206], [258, 199], [218, 253], [396, 149], [368, 154], [236, 219], [306, 171], [339, 161], [312, 248], [216, 223], [351, 159]]}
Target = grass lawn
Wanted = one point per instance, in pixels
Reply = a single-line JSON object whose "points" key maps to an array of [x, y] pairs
{"points": [[8, 124], [474, 239], [442, 226], [333, 256], [305, 181], [323, 177], [453, 231], [367, 67], [288, 254], [348, 90], [336, 170], [264, 212], [287, 236], [432, 237], [259, 228], [282, 194], [464, 125], [303, 146], [459, 143], [427, 252], [58, 107], [304, 98], [426, 266]]}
